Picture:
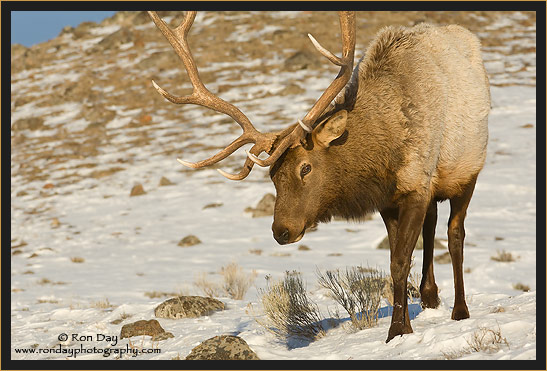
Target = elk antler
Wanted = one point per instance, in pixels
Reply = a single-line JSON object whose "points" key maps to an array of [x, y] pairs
{"points": [[347, 27], [203, 97], [263, 142]]}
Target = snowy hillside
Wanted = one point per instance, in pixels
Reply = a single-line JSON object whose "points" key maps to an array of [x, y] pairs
{"points": [[87, 126]]}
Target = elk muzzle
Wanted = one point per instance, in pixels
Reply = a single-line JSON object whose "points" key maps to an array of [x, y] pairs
{"points": [[285, 235]]}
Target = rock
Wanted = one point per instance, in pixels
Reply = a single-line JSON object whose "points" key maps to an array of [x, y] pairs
{"points": [[31, 123], [83, 29], [188, 241], [160, 61], [265, 206], [98, 174], [188, 307], [223, 348], [213, 205], [143, 327], [137, 190], [122, 36], [419, 244], [443, 259], [302, 60], [17, 50], [165, 182], [66, 30], [291, 89], [55, 223], [22, 101]]}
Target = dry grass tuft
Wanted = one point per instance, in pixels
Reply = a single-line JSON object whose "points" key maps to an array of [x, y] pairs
{"points": [[521, 287], [77, 259], [503, 256], [236, 282], [209, 288], [162, 294], [101, 304], [412, 286], [483, 340], [123, 317]]}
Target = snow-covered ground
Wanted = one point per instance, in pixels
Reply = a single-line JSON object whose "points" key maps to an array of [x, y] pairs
{"points": [[89, 253]]}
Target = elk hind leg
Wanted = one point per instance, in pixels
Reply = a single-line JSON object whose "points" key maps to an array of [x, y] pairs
{"points": [[429, 292], [456, 235]]}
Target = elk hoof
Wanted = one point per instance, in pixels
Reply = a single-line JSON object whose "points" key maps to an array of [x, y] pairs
{"points": [[398, 329], [460, 312], [430, 298]]}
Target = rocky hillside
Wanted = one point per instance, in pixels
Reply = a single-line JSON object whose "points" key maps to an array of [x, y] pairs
{"points": [[89, 92]]}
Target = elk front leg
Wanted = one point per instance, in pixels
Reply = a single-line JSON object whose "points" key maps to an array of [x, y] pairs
{"points": [[410, 220], [428, 288]]}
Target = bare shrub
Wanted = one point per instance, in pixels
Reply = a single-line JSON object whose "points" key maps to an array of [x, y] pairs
{"points": [[288, 309], [236, 281], [503, 256], [487, 340], [358, 291]]}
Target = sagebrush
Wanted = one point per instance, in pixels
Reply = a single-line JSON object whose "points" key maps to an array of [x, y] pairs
{"points": [[289, 312], [358, 290]]}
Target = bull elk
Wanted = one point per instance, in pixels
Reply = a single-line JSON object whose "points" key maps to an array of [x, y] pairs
{"points": [[405, 129]]}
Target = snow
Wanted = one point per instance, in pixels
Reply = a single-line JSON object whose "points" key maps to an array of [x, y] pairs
{"points": [[129, 244]]}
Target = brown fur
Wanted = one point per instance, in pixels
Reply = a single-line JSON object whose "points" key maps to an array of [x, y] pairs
{"points": [[416, 132]]}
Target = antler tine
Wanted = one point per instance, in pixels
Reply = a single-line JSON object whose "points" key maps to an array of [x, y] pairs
{"points": [[347, 27], [177, 37]]}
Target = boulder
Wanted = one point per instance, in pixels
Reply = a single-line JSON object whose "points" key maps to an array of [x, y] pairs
{"points": [[137, 190], [165, 182], [143, 327], [223, 348], [188, 307], [302, 60], [189, 240], [419, 244], [265, 206], [31, 123]]}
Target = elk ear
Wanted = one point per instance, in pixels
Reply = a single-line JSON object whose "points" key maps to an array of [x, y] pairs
{"points": [[330, 129]]}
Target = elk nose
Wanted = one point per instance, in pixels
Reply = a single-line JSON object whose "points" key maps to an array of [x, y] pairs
{"points": [[282, 236]]}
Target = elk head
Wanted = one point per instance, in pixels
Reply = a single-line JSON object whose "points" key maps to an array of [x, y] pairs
{"points": [[297, 154]]}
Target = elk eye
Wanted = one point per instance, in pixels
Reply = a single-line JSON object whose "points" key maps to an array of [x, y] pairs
{"points": [[305, 169]]}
